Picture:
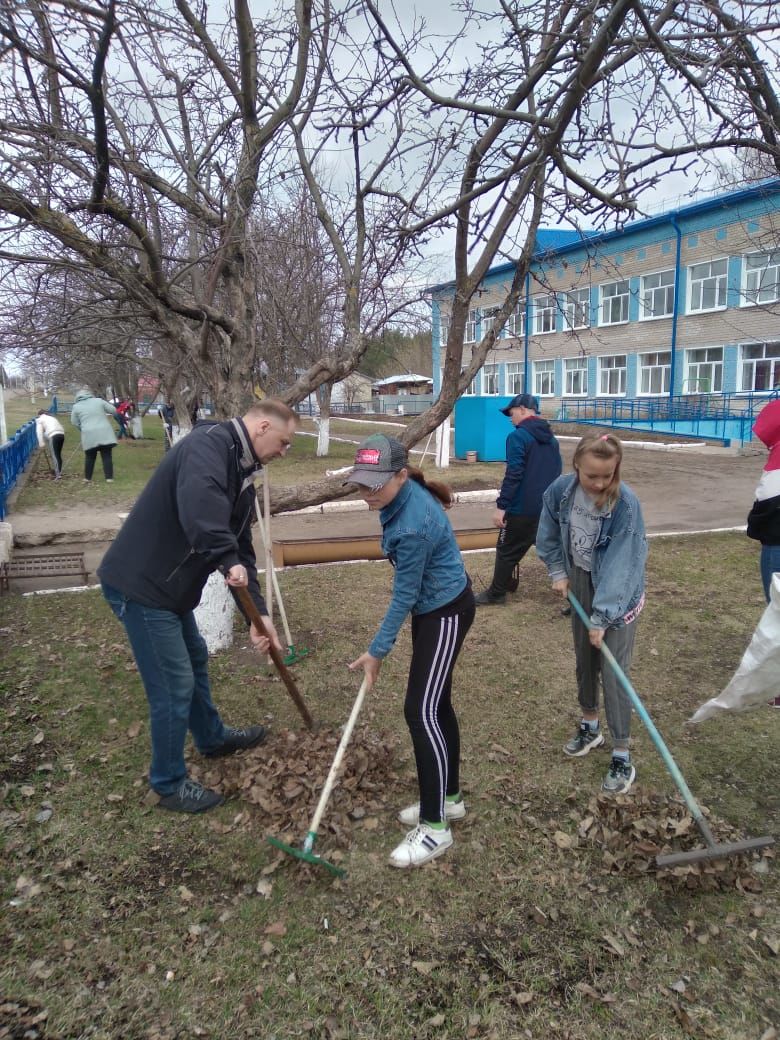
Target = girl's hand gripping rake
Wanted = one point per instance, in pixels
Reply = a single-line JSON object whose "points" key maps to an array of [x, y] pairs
{"points": [[713, 850], [306, 852]]}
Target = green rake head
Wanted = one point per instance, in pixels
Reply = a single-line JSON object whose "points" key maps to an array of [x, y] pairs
{"points": [[306, 854], [295, 654]]}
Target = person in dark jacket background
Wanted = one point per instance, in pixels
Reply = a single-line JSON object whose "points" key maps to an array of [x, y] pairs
{"points": [[533, 462], [193, 517]]}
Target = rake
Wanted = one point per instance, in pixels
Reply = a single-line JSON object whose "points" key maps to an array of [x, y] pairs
{"points": [[714, 850], [264, 526], [306, 852]]}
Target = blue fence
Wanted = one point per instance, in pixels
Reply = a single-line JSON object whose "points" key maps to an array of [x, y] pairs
{"points": [[14, 456], [723, 417]]}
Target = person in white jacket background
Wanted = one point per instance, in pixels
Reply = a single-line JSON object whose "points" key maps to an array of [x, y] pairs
{"points": [[50, 431]]}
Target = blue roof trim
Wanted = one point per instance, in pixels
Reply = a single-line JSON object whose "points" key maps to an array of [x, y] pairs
{"points": [[554, 242]]}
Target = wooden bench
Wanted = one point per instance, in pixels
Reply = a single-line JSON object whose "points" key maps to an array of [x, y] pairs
{"points": [[53, 565]]}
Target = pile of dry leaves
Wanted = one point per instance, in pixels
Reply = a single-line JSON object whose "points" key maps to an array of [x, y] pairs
{"points": [[279, 783], [632, 830]]}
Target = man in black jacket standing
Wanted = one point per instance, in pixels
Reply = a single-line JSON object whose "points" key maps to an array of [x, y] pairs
{"points": [[193, 517], [533, 461]]}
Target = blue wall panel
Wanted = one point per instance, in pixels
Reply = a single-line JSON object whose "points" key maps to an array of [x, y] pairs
{"points": [[480, 427]]}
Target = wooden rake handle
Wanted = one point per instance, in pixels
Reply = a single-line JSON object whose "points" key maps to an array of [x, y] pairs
{"points": [[256, 618]]}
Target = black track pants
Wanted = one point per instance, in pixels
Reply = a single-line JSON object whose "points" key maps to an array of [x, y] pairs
{"points": [[436, 641], [513, 543]]}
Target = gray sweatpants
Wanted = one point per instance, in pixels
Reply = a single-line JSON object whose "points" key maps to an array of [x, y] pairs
{"points": [[617, 706]]}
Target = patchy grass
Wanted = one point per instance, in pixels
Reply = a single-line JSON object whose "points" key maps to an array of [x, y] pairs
{"points": [[121, 921]]}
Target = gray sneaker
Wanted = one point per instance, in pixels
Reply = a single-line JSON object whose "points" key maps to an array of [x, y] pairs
{"points": [[583, 741], [238, 740], [620, 777], [191, 797]]}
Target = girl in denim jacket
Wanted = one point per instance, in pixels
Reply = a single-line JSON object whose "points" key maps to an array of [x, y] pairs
{"points": [[592, 540], [431, 583]]}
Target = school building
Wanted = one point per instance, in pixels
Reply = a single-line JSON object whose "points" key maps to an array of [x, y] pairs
{"points": [[665, 323]]}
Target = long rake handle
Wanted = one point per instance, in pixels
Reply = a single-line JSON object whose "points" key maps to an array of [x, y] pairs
{"points": [[256, 618], [331, 780], [269, 562], [671, 765]]}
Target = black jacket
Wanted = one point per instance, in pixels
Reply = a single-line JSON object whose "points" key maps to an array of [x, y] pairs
{"points": [[763, 522], [193, 516], [533, 461]]}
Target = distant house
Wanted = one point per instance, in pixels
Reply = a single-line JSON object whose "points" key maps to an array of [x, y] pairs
{"points": [[410, 383], [354, 390]]}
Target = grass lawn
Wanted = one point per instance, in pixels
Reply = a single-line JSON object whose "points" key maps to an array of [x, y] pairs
{"points": [[546, 919]]}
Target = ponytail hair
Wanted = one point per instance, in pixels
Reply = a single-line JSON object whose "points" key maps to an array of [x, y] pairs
{"points": [[440, 491], [604, 446]]}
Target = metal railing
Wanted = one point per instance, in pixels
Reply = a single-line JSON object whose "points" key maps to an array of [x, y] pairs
{"points": [[725, 417], [14, 456]]}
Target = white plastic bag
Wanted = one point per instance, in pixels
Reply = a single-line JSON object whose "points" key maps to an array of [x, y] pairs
{"points": [[757, 680]]}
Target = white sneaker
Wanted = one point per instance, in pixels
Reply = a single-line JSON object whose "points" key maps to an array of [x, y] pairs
{"points": [[410, 816], [420, 845]]}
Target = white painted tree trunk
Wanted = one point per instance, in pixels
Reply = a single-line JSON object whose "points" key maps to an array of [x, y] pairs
{"points": [[214, 614], [443, 444], [137, 427], [323, 436]]}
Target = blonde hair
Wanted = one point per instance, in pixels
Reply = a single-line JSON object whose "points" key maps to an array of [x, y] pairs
{"points": [[607, 447]]}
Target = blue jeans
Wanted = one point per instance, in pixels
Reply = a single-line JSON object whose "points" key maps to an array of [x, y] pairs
{"points": [[770, 562], [172, 661]]}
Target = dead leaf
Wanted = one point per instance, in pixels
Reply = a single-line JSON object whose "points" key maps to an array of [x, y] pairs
{"points": [[772, 942], [436, 1020], [523, 998], [563, 841], [278, 928], [134, 730], [38, 738], [185, 895], [613, 944], [264, 888], [425, 967]]}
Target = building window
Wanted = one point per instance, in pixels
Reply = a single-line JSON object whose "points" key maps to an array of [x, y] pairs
{"points": [[490, 379], [762, 277], [444, 329], [544, 314], [760, 366], [708, 285], [514, 378], [657, 291], [614, 302], [612, 375], [705, 371], [575, 377], [577, 312], [655, 371], [489, 318], [544, 378], [516, 324], [471, 327], [471, 389]]}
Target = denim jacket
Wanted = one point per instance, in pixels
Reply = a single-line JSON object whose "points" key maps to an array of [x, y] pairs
{"points": [[619, 555], [418, 540]]}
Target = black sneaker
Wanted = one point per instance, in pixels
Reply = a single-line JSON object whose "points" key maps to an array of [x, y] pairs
{"points": [[191, 797], [238, 740], [487, 599], [583, 741]]}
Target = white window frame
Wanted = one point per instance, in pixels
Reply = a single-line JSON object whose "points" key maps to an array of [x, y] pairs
{"points": [[515, 325], [752, 293], [545, 307], [572, 367], [540, 377], [622, 294], [515, 373], [665, 368], [577, 303], [488, 315], [720, 285], [714, 364], [651, 295], [774, 367], [612, 369], [471, 389], [490, 378], [471, 326], [444, 329]]}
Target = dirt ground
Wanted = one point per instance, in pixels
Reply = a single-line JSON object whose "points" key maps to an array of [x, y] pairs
{"points": [[684, 489]]}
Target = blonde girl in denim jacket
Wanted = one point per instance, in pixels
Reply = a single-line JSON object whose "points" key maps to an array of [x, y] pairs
{"points": [[592, 540]]}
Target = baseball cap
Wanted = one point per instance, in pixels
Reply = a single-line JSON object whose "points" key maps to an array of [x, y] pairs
{"points": [[376, 460], [522, 401]]}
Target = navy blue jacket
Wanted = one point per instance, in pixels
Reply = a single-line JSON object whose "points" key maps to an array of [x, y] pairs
{"points": [[193, 516], [533, 461]]}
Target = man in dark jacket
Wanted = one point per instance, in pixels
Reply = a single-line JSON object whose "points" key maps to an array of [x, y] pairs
{"points": [[193, 517], [533, 461]]}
